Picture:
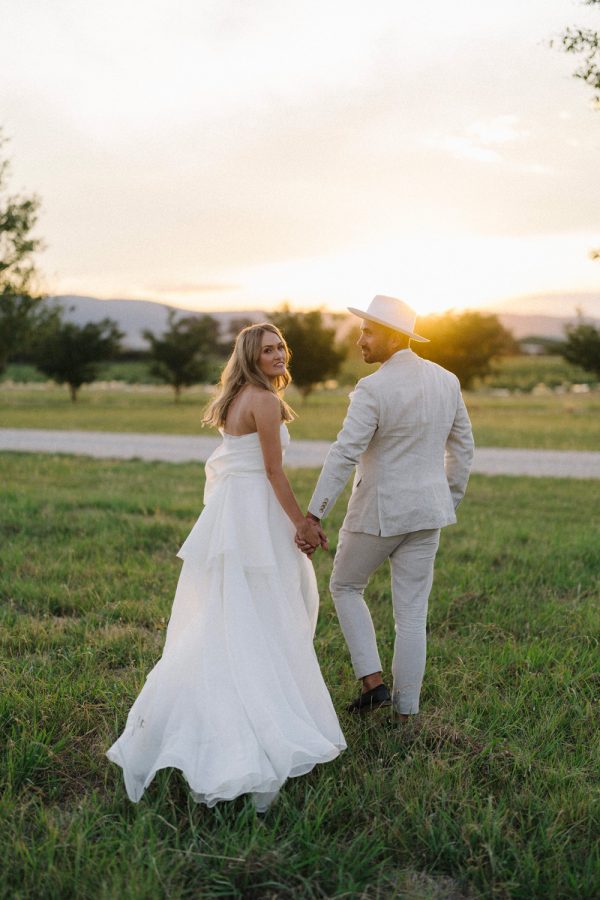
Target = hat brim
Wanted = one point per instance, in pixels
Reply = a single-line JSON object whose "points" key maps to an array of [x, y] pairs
{"points": [[362, 314]]}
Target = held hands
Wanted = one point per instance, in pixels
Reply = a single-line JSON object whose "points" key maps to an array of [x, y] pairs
{"points": [[310, 535]]}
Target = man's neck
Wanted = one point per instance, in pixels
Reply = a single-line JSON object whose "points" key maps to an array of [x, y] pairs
{"points": [[395, 353]]}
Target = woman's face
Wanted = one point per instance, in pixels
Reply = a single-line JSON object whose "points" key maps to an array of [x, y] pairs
{"points": [[271, 361]]}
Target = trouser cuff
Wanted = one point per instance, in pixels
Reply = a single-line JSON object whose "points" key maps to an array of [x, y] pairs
{"points": [[404, 705], [364, 666]]}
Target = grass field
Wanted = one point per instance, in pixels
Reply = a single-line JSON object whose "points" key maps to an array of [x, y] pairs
{"points": [[492, 793], [520, 373], [568, 421], [523, 373]]}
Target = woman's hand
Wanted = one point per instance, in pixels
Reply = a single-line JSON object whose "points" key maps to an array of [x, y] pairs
{"points": [[310, 535]]}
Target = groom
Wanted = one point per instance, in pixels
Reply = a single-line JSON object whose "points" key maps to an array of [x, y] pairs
{"points": [[408, 435]]}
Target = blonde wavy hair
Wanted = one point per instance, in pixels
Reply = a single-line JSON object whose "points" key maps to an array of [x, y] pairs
{"points": [[242, 369]]}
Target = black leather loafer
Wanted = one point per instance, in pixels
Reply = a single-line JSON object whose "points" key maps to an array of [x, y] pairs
{"points": [[371, 700]]}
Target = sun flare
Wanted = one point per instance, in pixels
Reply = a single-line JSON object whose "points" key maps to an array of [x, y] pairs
{"points": [[433, 275]]}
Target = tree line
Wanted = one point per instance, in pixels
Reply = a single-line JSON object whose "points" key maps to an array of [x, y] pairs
{"points": [[191, 347]]}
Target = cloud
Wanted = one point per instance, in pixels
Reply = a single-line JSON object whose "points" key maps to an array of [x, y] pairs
{"points": [[535, 169], [496, 130], [173, 152], [464, 148], [480, 138], [187, 287]]}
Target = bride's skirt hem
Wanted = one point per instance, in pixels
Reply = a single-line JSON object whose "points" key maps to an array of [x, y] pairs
{"points": [[263, 790]]}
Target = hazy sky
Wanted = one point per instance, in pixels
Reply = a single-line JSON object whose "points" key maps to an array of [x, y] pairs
{"points": [[223, 154]]}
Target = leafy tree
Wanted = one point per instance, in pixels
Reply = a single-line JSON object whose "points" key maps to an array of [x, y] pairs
{"points": [[20, 312], [71, 354], [549, 346], [353, 366], [314, 355], [183, 355], [465, 343], [585, 42], [582, 345], [233, 329]]}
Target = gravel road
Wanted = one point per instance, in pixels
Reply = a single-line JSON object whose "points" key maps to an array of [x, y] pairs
{"points": [[301, 454]]}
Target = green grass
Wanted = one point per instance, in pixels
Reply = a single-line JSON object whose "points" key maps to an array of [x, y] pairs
{"points": [[493, 793], [524, 373], [568, 421], [515, 373], [128, 371], [550, 422]]}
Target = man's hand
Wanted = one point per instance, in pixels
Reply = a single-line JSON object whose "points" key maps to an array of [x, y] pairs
{"points": [[310, 535]]}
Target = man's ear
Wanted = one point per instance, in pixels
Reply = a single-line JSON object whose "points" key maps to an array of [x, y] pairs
{"points": [[400, 342]]}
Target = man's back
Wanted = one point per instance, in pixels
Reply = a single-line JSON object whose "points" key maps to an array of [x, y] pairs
{"points": [[408, 433]]}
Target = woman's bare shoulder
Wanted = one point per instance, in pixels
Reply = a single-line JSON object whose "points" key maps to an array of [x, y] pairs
{"points": [[261, 396], [265, 407], [254, 400]]}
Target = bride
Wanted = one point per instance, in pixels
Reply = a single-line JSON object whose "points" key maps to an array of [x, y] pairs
{"points": [[237, 702]]}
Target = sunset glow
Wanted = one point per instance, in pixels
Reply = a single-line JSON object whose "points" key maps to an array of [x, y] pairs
{"points": [[229, 155]]}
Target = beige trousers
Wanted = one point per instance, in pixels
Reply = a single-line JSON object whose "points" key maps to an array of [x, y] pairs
{"points": [[411, 557]]}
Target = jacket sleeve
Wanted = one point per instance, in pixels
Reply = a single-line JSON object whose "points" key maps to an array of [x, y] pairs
{"points": [[459, 452], [358, 428]]}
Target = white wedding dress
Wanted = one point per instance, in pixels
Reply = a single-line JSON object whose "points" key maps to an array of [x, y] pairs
{"points": [[237, 702]]}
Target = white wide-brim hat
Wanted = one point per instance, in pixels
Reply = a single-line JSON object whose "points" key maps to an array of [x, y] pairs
{"points": [[392, 313]]}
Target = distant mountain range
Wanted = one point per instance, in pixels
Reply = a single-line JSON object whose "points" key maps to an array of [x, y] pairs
{"points": [[523, 326], [543, 315], [134, 316]]}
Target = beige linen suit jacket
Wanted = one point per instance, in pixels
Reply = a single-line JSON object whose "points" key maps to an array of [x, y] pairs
{"points": [[408, 435]]}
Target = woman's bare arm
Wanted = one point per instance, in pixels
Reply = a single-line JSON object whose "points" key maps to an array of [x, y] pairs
{"points": [[267, 416]]}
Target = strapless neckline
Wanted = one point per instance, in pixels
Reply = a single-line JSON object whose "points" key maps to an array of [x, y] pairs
{"points": [[246, 434], [226, 434]]}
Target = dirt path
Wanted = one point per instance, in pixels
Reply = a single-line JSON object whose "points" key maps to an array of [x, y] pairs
{"points": [[301, 454]]}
